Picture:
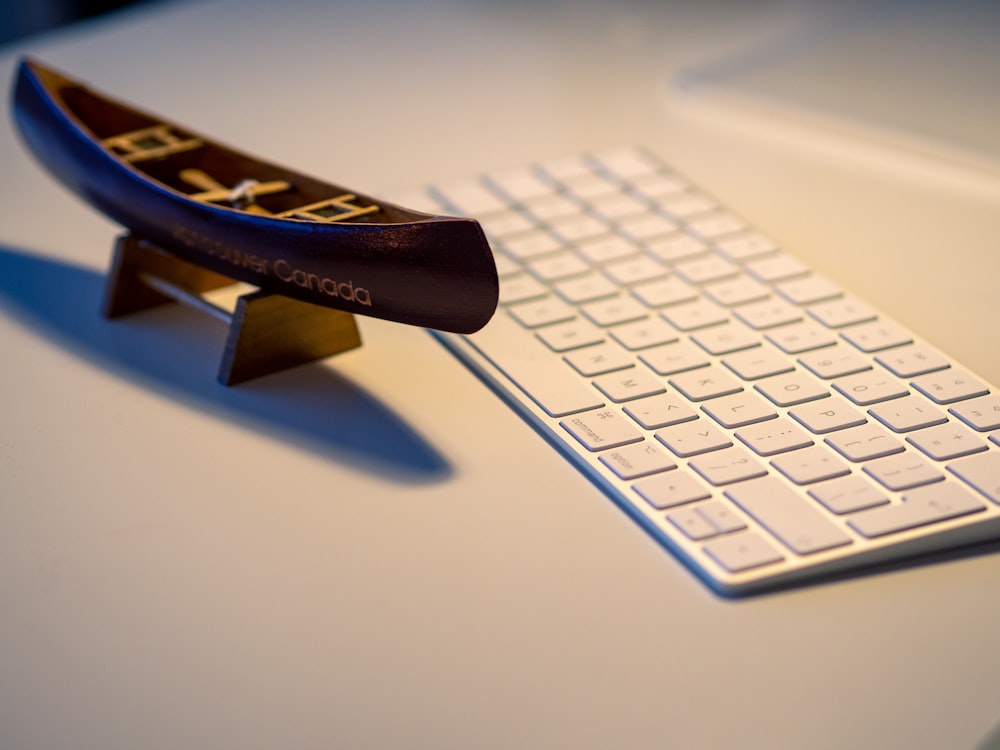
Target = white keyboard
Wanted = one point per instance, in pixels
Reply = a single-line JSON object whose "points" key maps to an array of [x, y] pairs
{"points": [[760, 422]]}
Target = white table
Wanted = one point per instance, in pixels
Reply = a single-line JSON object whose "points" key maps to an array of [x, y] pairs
{"points": [[374, 552]]}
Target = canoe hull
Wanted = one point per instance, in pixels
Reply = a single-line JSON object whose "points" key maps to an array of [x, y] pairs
{"points": [[436, 272]]}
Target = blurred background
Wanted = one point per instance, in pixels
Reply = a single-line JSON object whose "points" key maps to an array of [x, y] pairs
{"points": [[21, 18]]}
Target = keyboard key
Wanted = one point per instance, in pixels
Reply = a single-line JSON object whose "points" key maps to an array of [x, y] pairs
{"points": [[642, 334], [844, 311], [746, 245], [670, 291], [646, 226], [727, 466], [863, 443], [693, 438], [726, 338], [802, 527], [626, 385], [703, 270], [673, 358], [601, 429], [658, 185], [981, 413], [739, 410], [714, 225], [870, 387], [675, 247], [804, 336], [902, 471], [552, 206], [619, 205], [599, 359], [947, 441], [507, 267], [920, 507], [848, 494], [834, 362], [541, 312], [530, 244], [906, 414], [767, 314], [773, 437], [635, 270], [562, 337], [670, 489], [520, 288], [520, 184], [527, 362], [566, 168], [775, 268], [876, 336], [740, 290], [591, 286], [910, 361], [626, 163], [756, 363], [808, 290], [742, 552], [705, 383], [637, 460], [614, 310], [471, 198], [791, 388], [606, 248], [813, 464], [504, 223], [685, 205], [690, 316], [693, 524], [590, 187], [981, 471], [659, 411], [949, 386], [558, 266], [827, 415], [577, 227], [721, 515]]}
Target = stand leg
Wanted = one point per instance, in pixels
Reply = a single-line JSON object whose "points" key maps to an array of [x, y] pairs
{"points": [[267, 332], [133, 257], [270, 333]]}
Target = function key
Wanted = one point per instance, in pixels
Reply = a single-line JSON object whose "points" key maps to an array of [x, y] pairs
{"points": [[566, 168], [519, 184], [912, 360], [981, 413], [949, 385], [746, 245], [470, 197], [876, 336], [808, 290], [626, 163]]}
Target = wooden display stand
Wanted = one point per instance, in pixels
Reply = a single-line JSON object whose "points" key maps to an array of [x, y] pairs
{"points": [[267, 332]]}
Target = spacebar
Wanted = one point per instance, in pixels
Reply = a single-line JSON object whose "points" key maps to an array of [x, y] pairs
{"points": [[542, 375]]}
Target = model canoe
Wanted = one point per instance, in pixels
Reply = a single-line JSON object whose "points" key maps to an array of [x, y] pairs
{"points": [[254, 221]]}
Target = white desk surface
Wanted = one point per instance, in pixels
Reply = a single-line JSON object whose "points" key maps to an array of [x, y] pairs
{"points": [[374, 552]]}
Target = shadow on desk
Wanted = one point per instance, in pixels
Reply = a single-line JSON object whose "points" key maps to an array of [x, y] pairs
{"points": [[176, 350]]}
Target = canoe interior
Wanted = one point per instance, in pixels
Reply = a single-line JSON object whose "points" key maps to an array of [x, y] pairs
{"points": [[185, 153]]}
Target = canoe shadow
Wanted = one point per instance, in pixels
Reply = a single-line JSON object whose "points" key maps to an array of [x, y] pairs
{"points": [[171, 350]]}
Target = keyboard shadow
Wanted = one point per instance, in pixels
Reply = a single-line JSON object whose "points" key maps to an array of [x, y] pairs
{"points": [[177, 351], [915, 562]]}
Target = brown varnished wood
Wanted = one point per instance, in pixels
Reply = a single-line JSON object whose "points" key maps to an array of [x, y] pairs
{"points": [[267, 332]]}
